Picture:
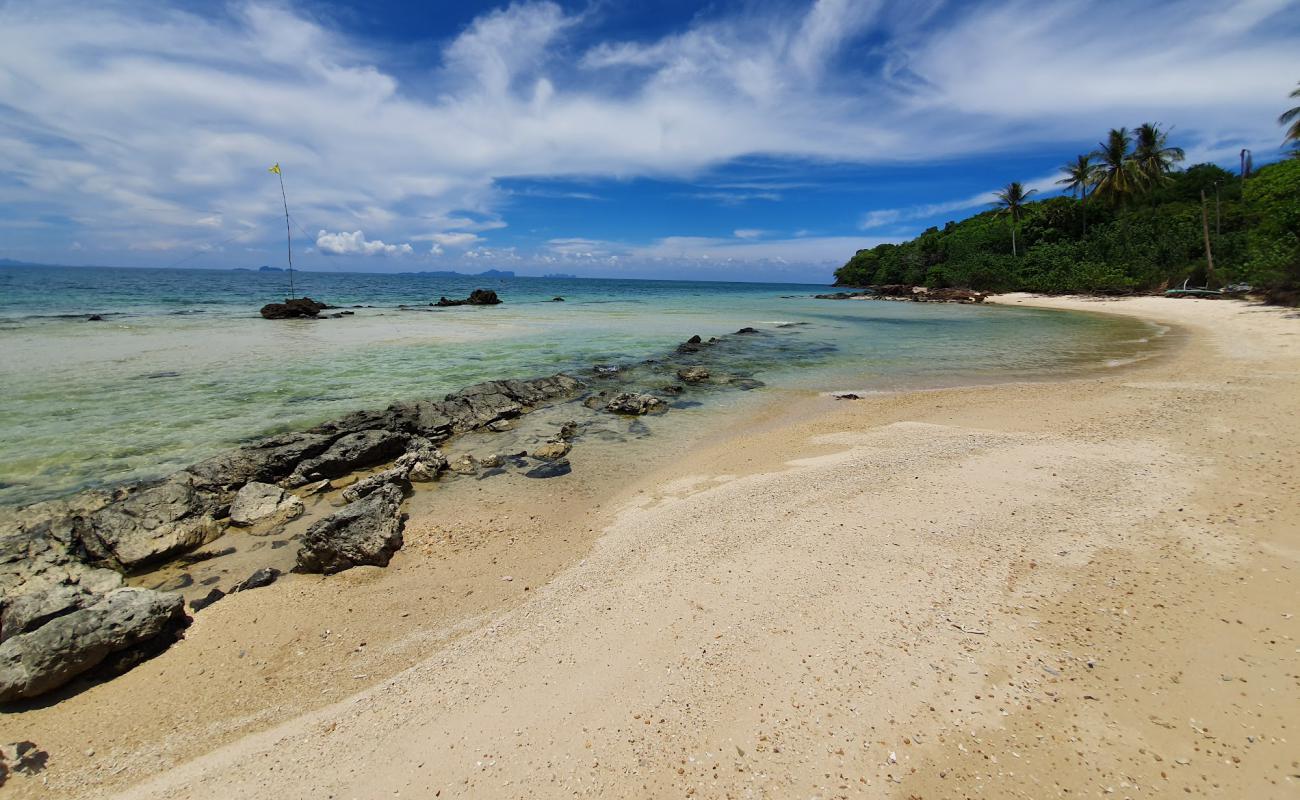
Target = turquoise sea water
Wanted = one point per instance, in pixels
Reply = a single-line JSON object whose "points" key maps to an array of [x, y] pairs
{"points": [[183, 366]]}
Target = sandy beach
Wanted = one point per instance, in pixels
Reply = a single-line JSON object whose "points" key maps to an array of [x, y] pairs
{"points": [[1079, 588]]}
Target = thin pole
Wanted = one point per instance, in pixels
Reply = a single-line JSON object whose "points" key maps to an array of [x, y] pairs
{"points": [[288, 239], [1205, 228]]}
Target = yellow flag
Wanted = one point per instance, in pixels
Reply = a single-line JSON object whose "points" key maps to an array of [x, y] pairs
{"points": [[275, 169]]}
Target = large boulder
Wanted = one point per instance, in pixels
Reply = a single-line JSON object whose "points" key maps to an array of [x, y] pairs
{"points": [[351, 452], [148, 524], [635, 404], [396, 476], [258, 502], [422, 461], [368, 531], [293, 309], [124, 620]]}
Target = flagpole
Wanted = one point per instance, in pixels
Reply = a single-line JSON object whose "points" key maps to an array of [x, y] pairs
{"points": [[288, 238]]}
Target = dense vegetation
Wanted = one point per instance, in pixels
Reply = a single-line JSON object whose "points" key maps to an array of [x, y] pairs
{"points": [[1134, 224]]}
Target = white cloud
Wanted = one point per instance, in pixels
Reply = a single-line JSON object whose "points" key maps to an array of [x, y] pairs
{"points": [[355, 244], [749, 233]]}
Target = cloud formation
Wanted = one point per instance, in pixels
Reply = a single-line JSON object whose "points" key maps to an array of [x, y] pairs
{"points": [[129, 123], [355, 244]]}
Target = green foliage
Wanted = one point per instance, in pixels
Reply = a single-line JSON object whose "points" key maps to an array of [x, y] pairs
{"points": [[1142, 242]]}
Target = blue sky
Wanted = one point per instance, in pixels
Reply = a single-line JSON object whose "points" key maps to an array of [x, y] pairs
{"points": [[723, 140]]}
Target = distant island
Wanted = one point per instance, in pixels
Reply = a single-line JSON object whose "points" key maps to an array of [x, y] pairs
{"points": [[491, 273], [262, 268]]}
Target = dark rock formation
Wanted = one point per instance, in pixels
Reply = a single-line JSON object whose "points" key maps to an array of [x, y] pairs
{"points": [[557, 299], [368, 531], [200, 603], [350, 452], [746, 331], [692, 345], [478, 297], [292, 309], [94, 318], [46, 658]]}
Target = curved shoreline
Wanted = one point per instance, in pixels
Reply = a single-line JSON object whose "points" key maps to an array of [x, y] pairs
{"points": [[688, 536]]}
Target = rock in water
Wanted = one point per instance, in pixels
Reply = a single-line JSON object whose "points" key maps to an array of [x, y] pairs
{"points": [[693, 374], [291, 309], [63, 648], [552, 451], [368, 531], [478, 297], [635, 404], [261, 501]]}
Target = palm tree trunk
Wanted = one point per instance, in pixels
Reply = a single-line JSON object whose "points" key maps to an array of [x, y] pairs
{"points": [[1013, 240], [1085, 213]]}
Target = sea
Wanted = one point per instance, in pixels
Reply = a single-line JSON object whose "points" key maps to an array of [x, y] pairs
{"points": [[181, 365]]}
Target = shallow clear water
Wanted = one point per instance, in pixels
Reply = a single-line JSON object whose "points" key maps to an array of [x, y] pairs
{"points": [[183, 366]]}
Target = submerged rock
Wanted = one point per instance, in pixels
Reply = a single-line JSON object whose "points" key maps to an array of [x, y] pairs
{"points": [[635, 404], [550, 469], [552, 451], [291, 309], [693, 374], [368, 531], [48, 657]]}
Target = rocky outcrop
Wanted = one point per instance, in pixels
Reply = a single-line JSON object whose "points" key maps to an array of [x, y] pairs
{"points": [[266, 460], [264, 502], [478, 297], [368, 531], [634, 404], [917, 294], [296, 308], [123, 621]]}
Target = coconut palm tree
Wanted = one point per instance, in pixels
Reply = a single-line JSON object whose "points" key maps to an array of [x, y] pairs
{"points": [[1153, 157], [1011, 200], [1080, 175], [1292, 116], [1117, 175]]}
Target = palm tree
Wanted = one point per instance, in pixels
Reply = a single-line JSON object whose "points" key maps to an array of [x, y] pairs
{"points": [[1011, 200], [1153, 157], [1293, 116], [1117, 172], [1080, 175]]}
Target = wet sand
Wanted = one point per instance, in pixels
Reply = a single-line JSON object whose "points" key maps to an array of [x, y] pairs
{"points": [[1034, 590]]}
